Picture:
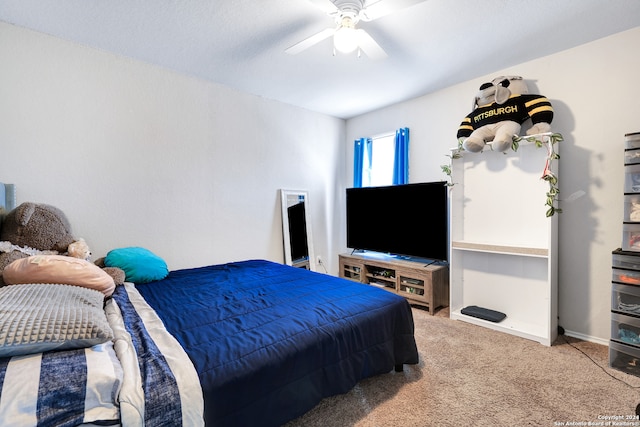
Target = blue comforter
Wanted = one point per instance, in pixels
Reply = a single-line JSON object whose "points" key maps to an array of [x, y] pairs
{"points": [[270, 341]]}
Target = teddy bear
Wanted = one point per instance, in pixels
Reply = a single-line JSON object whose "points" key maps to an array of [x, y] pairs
{"points": [[33, 228], [117, 274], [500, 108], [38, 226], [79, 249], [39, 229]]}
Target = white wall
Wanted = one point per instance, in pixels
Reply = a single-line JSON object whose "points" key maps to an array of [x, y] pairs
{"points": [[596, 100], [138, 155]]}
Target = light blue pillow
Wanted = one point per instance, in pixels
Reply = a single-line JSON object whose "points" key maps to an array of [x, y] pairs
{"points": [[140, 265]]}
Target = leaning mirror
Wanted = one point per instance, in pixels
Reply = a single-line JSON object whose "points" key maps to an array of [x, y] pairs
{"points": [[296, 229]]}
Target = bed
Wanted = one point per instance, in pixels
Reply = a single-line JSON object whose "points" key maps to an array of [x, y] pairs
{"points": [[244, 343], [264, 339], [270, 341]]}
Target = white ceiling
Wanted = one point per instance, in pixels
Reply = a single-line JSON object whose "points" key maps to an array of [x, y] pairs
{"points": [[241, 43]]}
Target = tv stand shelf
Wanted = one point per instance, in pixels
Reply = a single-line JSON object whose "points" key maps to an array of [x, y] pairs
{"points": [[421, 284]]}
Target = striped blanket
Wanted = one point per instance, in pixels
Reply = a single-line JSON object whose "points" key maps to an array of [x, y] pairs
{"points": [[64, 388], [141, 378]]}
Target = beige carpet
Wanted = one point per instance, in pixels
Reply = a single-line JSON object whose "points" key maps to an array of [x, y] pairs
{"points": [[472, 376]]}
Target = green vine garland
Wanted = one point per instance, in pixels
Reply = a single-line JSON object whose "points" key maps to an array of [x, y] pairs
{"points": [[547, 174]]}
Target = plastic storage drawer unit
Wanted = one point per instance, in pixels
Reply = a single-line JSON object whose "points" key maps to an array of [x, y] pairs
{"points": [[625, 299], [631, 237], [632, 157], [624, 346], [632, 178], [624, 357], [632, 140], [632, 208], [630, 261], [625, 329], [627, 277]]}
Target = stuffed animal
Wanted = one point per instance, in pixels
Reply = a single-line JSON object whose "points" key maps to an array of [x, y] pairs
{"points": [[79, 249], [33, 228], [500, 109], [39, 226], [39, 229], [116, 273]]}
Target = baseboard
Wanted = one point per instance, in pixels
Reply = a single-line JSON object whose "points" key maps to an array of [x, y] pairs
{"points": [[589, 338]]}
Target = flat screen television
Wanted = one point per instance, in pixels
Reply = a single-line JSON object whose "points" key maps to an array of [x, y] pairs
{"points": [[409, 220]]}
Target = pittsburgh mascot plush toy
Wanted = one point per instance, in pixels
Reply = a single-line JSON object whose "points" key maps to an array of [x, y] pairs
{"points": [[500, 109]]}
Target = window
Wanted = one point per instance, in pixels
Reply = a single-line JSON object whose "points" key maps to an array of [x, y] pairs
{"points": [[382, 154], [381, 160]]}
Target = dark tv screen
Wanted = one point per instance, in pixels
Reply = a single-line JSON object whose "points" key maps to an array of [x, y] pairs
{"points": [[408, 220]]}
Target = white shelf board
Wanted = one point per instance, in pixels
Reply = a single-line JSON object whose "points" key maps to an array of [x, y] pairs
{"points": [[500, 249]]}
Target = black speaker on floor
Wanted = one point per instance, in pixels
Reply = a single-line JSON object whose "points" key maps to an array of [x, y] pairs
{"points": [[483, 313]]}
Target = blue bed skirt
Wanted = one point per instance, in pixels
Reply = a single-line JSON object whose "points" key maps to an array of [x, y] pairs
{"points": [[270, 341]]}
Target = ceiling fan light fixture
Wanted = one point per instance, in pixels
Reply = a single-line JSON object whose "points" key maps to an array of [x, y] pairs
{"points": [[345, 40], [346, 15]]}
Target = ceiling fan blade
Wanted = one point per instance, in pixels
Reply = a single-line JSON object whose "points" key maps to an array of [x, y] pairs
{"points": [[385, 7], [326, 5], [369, 46], [310, 41]]}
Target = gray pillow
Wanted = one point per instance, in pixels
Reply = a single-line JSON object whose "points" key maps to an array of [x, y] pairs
{"points": [[40, 317]]}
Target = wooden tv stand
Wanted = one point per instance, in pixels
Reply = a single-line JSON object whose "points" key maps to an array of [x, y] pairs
{"points": [[421, 284]]}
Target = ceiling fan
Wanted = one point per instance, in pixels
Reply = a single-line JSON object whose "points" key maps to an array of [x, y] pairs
{"points": [[346, 14]]}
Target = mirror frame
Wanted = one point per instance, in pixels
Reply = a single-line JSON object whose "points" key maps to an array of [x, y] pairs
{"points": [[284, 197]]}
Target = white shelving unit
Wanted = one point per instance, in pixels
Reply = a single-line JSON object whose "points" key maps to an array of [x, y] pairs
{"points": [[503, 246]]}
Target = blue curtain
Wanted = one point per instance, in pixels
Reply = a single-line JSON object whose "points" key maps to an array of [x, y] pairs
{"points": [[401, 158], [360, 145]]}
